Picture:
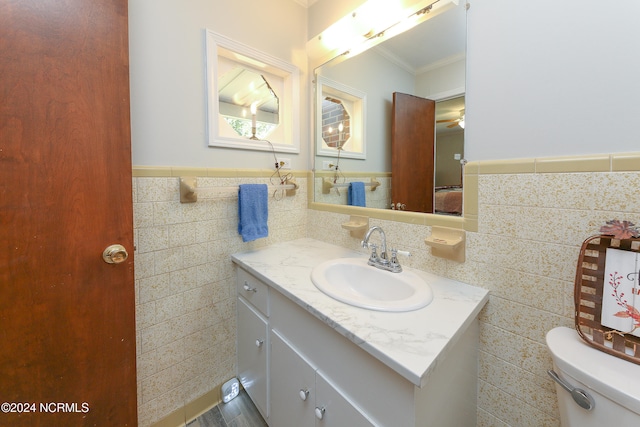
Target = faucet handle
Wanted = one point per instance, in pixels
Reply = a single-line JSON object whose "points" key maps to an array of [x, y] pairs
{"points": [[374, 253], [368, 245], [395, 252], [395, 264]]}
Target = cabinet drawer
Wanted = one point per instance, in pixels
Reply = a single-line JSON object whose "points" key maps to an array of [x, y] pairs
{"points": [[253, 290]]}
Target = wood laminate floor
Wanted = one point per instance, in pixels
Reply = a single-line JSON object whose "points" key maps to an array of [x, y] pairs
{"points": [[240, 412]]}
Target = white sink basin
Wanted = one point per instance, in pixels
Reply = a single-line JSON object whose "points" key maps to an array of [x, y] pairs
{"points": [[354, 282]]}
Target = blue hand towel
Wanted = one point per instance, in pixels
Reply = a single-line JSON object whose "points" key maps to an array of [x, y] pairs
{"points": [[252, 211], [355, 195]]}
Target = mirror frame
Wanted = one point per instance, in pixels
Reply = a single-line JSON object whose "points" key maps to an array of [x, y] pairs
{"points": [[469, 219], [254, 60]]}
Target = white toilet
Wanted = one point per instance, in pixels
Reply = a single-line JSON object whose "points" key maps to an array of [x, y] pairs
{"points": [[610, 386]]}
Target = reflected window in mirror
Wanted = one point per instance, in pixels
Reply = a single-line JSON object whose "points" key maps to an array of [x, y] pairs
{"points": [[336, 123], [248, 103], [340, 120]]}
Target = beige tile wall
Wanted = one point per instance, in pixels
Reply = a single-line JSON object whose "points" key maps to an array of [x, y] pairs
{"points": [[533, 214], [185, 306]]}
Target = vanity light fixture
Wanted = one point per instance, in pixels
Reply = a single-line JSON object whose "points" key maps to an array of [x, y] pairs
{"points": [[372, 23]]}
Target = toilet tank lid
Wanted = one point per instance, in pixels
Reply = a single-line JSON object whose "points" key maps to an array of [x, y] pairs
{"points": [[610, 376]]}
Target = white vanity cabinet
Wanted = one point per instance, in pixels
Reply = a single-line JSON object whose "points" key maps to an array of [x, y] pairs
{"points": [[253, 339], [367, 391], [301, 396], [311, 361]]}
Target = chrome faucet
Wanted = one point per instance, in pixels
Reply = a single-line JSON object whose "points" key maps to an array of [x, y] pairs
{"points": [[382, 261]]}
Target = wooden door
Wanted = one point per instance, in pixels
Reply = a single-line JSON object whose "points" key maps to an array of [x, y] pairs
{"points": [[67, 331], [412, 152]]}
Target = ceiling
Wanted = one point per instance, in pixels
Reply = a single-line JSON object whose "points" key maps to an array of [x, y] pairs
{"points": [[433, 43], [305, 3]]}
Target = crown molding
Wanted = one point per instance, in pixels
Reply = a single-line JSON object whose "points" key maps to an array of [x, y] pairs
{"points": [[305, 3]]}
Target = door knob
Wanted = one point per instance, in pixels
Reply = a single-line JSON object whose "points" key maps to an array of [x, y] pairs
{"points": [[115, 254]]}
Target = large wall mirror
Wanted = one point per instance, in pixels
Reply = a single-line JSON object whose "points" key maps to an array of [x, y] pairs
{"points": [[426, 62]]}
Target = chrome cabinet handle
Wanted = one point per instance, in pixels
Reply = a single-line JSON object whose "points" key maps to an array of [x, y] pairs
{"points": [[581, 397], [248, 287], [319, 412], [259, 342], [304, 394]]}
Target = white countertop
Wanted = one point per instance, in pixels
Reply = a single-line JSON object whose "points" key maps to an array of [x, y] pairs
{"points": [[410, 343]]}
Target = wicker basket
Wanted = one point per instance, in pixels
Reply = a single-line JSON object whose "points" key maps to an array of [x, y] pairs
{"points": [[588, 292]]}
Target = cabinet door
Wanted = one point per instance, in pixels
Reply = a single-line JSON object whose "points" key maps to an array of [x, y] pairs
{"points": [[292, 386], [252, 354], [334, 409]]}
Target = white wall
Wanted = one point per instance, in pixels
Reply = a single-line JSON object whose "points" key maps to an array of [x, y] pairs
{"points": [[551, 78], [443, 82], [167, 71]]}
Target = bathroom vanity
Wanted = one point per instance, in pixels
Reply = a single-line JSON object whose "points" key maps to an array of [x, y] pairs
{"points": [[306, 359]]}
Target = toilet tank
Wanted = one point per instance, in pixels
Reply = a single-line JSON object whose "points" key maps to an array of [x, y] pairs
{"points": [[613, 383]]}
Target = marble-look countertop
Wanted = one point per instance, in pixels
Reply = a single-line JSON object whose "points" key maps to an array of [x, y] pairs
{"points": [[410, 343]]}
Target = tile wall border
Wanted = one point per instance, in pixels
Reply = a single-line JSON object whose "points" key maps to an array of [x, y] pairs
{"points": [[177, 171]]}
